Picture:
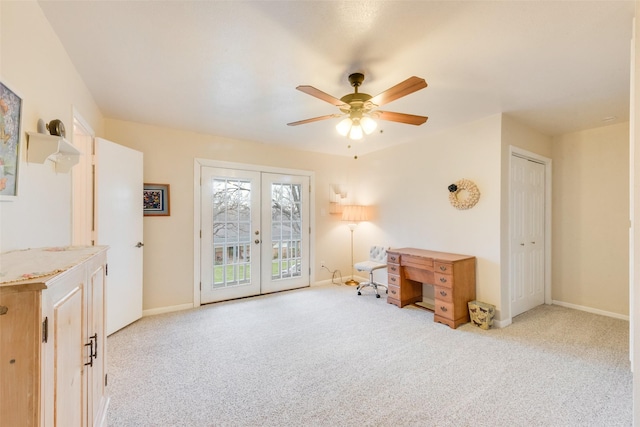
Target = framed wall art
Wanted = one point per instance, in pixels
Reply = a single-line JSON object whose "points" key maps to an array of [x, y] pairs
{"points": [[156, 200], [10, 136]]}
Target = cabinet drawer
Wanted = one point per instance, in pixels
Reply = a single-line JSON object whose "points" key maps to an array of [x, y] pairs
{"points": [[443, 294], [443, 279], [393, 279], [444, 309], [443, 267], [394, 292], [393, 258], [393, 268]]}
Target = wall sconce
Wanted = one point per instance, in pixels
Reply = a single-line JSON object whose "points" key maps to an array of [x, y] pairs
{"points": [[336, 198]]}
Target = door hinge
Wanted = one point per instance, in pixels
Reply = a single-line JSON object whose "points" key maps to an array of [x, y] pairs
{"points": [[105, 380], [201, 234], [200, 285], [106, 269], [45, 330]]}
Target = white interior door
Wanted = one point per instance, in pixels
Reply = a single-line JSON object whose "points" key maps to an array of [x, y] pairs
{"points": [[527, 234], [119, 225]]}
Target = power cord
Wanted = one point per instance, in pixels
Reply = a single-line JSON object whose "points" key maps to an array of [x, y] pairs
{"points": [[334, 273]]}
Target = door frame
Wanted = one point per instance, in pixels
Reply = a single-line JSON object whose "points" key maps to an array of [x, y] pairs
{"points": [[524, 154], [82, 201], [197, 164]]}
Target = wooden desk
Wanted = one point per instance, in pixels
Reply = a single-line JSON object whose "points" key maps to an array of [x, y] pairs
{"points": [[453, 277]]}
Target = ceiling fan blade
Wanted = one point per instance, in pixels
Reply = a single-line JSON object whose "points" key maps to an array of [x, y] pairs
{"points": [[412, 84], [310, 90], [315, 119], [408, 119]]}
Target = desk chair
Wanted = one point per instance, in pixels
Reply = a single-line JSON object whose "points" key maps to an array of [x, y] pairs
{"points": [[377, 260]]}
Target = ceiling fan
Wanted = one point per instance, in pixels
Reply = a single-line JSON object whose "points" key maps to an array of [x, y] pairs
{"points": [[360, 109]]}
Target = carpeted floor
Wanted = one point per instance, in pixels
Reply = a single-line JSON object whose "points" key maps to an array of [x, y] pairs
{"points": [[323, 356]]}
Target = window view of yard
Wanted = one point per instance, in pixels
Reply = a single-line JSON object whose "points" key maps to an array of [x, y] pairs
{"points": [[232, 227]]}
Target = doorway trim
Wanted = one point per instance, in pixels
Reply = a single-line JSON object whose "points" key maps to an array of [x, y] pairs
{"points": [[524, 154], [82, 183], [197, 164]]}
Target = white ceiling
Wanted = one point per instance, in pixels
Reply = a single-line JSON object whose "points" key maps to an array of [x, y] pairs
{"points": [[230, 68]]}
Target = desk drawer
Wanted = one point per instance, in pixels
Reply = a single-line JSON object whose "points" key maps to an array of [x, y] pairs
{"points": [[444, 268], [394, 292], [443, 280], [393, 268], [393, 258], [444, 309], [393, 279], [443, 294], [419, 275], [417, 262]]}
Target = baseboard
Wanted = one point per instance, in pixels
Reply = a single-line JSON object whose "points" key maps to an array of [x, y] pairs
{"points": [[161, 310], [499, 324], [591, 310]]}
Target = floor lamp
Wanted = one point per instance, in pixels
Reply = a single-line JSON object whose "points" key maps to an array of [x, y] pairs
{"points": [[354, 214]]}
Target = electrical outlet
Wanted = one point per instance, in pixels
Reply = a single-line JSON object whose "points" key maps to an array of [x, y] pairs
{"points": [[322, 265]]}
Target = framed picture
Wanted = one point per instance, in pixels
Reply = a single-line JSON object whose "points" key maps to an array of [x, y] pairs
{"points": [[10, 135], [155, 199]]}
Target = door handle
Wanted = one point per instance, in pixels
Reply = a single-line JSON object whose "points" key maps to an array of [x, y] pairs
{"points": [[139, 245]]}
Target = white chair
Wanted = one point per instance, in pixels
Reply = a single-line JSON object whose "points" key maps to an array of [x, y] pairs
{"points": [[377, 260]]}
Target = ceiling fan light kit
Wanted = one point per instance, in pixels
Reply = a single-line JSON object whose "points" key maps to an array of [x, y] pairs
{"points": [[359, 109]]}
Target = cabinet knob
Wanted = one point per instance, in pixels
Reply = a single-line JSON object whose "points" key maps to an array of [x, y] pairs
{"points": [[3, 309], [443, 308], [443, 280], [443, 293], [443, 268]]}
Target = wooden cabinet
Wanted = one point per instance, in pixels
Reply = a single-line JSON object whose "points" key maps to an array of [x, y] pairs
{"points": [[52, 338], [453, 277]]}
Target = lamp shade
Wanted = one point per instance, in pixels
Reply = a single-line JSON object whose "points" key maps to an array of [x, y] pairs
{"points": [[355, 213], [368, 125], [344, 126]]}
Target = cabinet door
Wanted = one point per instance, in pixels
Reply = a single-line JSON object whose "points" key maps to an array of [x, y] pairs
{"points": [[96, 398], [69, 353], [19, 361]]}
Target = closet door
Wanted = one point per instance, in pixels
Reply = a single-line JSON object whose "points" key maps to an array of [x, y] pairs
{"points": [[527, 234]]}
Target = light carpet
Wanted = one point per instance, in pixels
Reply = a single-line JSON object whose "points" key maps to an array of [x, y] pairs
{"points": [[323, 356]]}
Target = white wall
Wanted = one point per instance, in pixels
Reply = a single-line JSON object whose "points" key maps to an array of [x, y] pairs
{"points": [[591, 219], [408, 185], [35, 65], [169, 159]]}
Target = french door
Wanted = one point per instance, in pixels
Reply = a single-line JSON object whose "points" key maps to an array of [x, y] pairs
{"points": [[254, 233]]}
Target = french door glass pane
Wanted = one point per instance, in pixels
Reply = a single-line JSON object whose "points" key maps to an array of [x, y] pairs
{"points": [[231, 200], [286, 225]]}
